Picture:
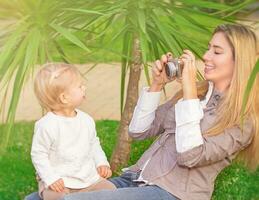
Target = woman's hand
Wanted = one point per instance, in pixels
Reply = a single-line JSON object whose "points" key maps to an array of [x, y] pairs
{"points": [[189, 75], [159, 75]]}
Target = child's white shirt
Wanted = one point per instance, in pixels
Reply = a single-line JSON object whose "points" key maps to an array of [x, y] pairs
{"points": [[67, 148]]}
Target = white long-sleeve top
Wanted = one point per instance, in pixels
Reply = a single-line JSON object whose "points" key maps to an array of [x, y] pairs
{"points": [[188, 114], [67, 148]]}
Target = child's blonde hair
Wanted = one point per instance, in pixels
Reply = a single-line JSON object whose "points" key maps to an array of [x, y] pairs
{"points": [[51, 81]]}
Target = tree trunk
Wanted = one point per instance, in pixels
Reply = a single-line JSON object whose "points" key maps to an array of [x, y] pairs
{"points": [[120, 155]]}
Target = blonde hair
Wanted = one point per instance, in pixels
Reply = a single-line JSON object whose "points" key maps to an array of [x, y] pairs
{"points": [[51, 81], [245, 50]]}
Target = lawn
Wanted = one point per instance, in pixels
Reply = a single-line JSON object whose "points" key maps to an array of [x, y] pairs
{"points": [[17, 173]]}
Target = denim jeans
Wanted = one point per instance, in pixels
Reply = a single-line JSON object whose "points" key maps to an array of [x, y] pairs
{"points": [[127, 189]]}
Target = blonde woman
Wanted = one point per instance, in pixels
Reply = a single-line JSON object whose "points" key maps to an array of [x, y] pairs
{"points": [[66, 151]]}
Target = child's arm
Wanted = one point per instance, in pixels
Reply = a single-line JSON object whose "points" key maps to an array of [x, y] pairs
{"points": [[101, 163], [41, 144]]}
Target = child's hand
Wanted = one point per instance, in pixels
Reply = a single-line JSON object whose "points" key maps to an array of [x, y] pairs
{"points": [[104, 171], [58, 186]]}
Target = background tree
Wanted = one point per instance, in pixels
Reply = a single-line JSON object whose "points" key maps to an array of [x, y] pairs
{"points": [[146, 29]]}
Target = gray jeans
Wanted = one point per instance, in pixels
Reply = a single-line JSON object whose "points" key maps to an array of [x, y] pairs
{"points": [[127, 189], [131, 193]]}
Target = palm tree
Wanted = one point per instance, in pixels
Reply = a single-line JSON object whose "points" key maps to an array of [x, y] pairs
{"points": [[146, 28]]}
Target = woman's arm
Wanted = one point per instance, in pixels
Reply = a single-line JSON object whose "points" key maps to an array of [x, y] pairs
{"points": [[188, 111], [144, 112], [218, 147], [148, 118]]}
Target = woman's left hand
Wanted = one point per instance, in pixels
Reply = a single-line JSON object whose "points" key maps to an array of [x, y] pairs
{"points": [[189, 75]]}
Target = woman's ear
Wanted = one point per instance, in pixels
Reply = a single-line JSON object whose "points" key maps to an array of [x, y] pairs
{"points": [[63, 98]]}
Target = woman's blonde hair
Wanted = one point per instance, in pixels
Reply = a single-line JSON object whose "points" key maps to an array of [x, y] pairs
{"points": [[245, 50], [51, 81]]}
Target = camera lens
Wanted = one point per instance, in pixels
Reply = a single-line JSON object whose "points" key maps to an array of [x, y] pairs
{"points": [[173, 68], [167, 70], [170, 70]]}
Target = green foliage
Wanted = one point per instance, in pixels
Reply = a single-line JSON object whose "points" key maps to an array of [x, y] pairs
{"points": [[18, 177]]}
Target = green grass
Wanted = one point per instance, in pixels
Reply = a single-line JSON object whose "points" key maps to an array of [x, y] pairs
{"points": [[17, 173]]}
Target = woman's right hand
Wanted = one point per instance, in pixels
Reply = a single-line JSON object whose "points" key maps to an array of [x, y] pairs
{"points": [[159, 75]]}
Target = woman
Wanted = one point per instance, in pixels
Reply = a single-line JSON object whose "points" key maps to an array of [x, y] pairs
{"points": [[200, 130]]}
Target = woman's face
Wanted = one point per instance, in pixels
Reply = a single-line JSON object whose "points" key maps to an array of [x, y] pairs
{"points": [[219, 62]]}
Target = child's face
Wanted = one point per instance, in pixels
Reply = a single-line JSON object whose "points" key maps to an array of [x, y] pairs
{"points": [[76, 93]]}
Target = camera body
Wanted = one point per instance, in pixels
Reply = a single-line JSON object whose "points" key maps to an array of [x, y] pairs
{"points": [[174, 68]]}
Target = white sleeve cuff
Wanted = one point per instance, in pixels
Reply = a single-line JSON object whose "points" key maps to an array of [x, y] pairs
{"points": [[148, 100], [188, 111], [188, 114], [188, 137], [144, 112]]}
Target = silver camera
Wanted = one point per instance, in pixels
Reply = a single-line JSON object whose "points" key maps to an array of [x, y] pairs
{"points": [[174, 68]]}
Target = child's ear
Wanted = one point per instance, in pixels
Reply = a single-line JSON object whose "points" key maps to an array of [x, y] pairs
{"points": [[63, 98]]}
